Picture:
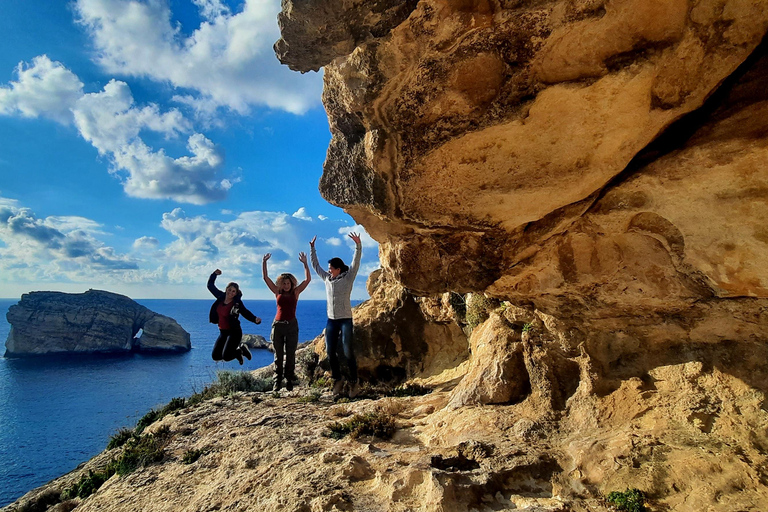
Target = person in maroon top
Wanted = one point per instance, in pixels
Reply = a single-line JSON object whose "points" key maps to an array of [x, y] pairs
{"points": [[226, 313], [285, 327]]}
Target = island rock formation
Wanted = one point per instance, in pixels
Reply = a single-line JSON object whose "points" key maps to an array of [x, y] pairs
{"points": [[92, 322]]}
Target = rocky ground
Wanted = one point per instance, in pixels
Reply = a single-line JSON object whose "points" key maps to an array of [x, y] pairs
{"points": [[688, 440]]}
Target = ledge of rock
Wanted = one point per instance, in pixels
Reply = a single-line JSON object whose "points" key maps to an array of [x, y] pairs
{"points": [[92, 322]]}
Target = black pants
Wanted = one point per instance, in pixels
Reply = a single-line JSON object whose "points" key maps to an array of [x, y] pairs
{"points": [[227, 345], [285, 339]]}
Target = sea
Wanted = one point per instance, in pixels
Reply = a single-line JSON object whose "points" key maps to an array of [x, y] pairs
{"points": [[59, 411]]}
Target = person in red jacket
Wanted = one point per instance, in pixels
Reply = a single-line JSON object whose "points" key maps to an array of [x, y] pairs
{"points": [[285, 327], [226, 313]]}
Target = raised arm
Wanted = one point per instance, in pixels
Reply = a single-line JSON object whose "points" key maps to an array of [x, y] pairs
{"points": [[307, 276], [212, 287], [355, 265], [270, 284], [315, 264]]}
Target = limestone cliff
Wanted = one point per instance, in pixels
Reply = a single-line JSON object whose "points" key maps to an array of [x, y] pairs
{"points": [[91, 322]]}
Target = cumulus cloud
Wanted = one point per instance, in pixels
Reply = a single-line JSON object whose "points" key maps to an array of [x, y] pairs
{"points": [[65, 248], [112, 122], [146, 243], [43, 89], [70, 249], [301, 214], [227, 61], [365, 238]]}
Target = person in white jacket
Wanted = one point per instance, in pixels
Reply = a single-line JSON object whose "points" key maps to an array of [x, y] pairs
{"points": [[338, 288]]}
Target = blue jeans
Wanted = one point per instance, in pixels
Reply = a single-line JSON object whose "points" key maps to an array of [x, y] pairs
{"points": [[335, 329]]}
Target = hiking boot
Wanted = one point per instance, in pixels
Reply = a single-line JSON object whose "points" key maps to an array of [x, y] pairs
{"points": [[246, 351], [337, 387], [239, 357], [277, 385], [355, 390], [289, 384]]}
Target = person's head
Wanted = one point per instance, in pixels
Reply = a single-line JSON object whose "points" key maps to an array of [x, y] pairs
{"points": [[286, 283], [233, 290], [336, 266]]}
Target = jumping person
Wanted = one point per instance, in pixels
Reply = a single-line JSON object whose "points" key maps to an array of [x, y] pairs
{"points": [[285, 327], [338, 288], [226, 313]]}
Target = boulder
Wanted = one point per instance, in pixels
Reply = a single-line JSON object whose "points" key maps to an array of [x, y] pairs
{"points": [[92, 322]]}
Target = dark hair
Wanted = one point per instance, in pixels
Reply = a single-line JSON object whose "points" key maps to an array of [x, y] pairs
{"points": [[338, 263], [236, 287]]}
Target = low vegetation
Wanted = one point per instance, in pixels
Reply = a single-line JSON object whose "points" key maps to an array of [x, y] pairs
{"points": [[230, 382], [138, 451], [409, 390], [631, 500], [190, 456], [376, 424]]}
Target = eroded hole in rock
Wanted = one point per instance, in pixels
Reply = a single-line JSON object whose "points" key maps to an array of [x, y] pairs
{"points": [[457, 463]]}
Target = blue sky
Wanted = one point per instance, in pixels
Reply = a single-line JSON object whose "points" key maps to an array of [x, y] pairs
{"points": [[145, 143]]}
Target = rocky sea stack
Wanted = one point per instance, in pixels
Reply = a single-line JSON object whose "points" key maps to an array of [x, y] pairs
{"points": [[86, 323]]}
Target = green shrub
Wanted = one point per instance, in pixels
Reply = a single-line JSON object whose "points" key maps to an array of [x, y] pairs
{"points": [[479, 308], [146, 420], [409, 390], [232, 382], [120, 438], [377, 424], [528, 327], [88, 484], [140, 452], [313, 396], [307, 363], [191, 456], [322, 382], [631, 500]]}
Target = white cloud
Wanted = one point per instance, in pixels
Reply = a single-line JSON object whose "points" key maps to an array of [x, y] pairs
{"points": [[64, 247], [112, 122], [322, 217], [44, 89], [333, 241], [365, 238], [146, 243], [301, 214], [67, 252], [228, 60]]}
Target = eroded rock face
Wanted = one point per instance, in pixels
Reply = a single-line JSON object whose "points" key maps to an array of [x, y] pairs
{"points": [[506, 134], [91, 322], [399, 336], [602, 168]]}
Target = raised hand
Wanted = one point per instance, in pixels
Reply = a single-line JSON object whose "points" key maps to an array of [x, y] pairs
{"points": [[303, 257], [355, 237], [217, 272], [266, 257], [312, 242]]}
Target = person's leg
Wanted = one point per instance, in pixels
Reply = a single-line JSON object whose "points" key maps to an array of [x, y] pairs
{"points": [[347, 344], [218, 346], [278, 344], [291, 342], [332, 328], [232, 346]]}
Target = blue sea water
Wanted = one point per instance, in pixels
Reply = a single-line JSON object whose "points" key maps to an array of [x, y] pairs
{"points": [[59, 411]]}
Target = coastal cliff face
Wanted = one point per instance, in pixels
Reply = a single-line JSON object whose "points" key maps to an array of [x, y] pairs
{"points": [[91, 322], [600, 168]]}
